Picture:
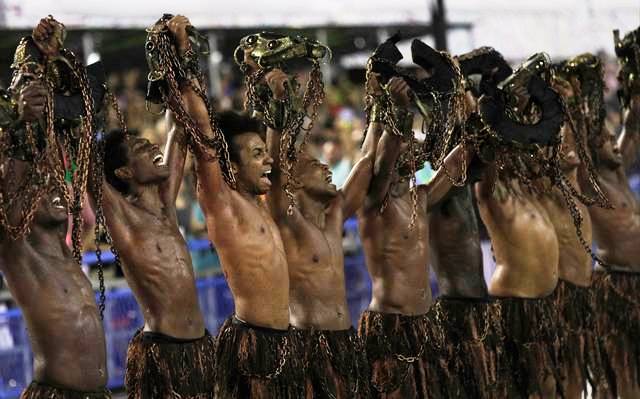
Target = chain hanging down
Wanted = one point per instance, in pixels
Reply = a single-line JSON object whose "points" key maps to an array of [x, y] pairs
{"points": [[168, 71], [269, 51]]}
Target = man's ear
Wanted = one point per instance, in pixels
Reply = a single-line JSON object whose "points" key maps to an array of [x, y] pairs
{"points": [[124, 173], [234, 168]]}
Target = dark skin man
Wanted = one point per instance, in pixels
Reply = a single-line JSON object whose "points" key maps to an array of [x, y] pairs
{"points": [[254, 354], [573, 295], [56, 298], [617, 233], [526, 251], [173, 352], [397, 258], [312, 237]]}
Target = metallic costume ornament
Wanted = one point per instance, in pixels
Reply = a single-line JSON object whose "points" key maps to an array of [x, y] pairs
{"points": [[486, 62], [628, 52], [66, 137], [439, 98], [168, 71], [271, 50], [527, 151]]}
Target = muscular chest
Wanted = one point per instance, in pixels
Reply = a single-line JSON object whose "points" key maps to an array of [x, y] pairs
{"points": [[310, 247]]}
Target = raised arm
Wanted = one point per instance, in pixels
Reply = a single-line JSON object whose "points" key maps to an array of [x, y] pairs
{"points": [[456, 162], [357, 187], [30, 100], [389, 146], [212, 188], [175, 156], [277, 199], [629, 140]]}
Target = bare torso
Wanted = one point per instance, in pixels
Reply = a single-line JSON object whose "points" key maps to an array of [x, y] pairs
{"points": [[253, 261], [58, 304], [575, 264], [617, 231], [316, 269], [524, 244], [456, 255], [397, 257], [158, 268]]}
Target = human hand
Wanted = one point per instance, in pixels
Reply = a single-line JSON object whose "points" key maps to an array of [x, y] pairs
{"points": [[277, 80], [399, 91], [178, 28], [31, 101], [49, 36]]}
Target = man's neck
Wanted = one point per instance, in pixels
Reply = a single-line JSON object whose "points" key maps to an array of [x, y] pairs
{"points": [[249, 196], [572, 176], [147, 197], [312, 208]]}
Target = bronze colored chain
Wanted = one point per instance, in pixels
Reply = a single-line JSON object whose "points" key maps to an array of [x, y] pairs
{"points": [[294, 127], [196, 140]]}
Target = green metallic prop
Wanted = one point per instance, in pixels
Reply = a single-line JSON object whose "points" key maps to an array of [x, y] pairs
{"points": [[259, 53]]}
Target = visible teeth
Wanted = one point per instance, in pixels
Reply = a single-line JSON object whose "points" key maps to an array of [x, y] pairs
{"points": [[157, 159]]}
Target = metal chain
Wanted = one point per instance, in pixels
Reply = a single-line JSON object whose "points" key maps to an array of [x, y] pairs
{"points": [[294, 127]]}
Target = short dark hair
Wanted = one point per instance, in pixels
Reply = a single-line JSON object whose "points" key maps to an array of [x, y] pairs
{"points": [[116, 155], [234, 124]]}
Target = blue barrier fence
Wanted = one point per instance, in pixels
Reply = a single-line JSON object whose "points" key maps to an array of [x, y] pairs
{"points": [[123, 318]]}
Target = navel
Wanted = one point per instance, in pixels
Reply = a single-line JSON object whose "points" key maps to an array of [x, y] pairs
{"points": [[262, 229], [315, 258], [158, 247]]}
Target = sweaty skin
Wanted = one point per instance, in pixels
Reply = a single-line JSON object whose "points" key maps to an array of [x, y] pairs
{"points": [[312, 235], [575, 264], [396, 256], [524, 241], [238, 221], [55, 296], [144, 228], [57, 300], [617, 231], [456, 255]]}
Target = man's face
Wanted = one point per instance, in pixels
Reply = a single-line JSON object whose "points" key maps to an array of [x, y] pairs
{"points": [[254, 163], [145, 162], [314, 176], [52, 210], [608, 151]]}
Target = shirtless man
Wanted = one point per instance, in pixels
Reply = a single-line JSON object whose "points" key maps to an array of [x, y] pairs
{"points": [[312, 237], [617, 233], [254, 355], [579, 353], [395, 325], [56, 298], [173, 352], [526, 250]]}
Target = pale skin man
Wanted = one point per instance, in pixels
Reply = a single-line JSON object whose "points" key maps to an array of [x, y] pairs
{"points": [[56, 298], [397, 256], [312, 236], [526, 251], [617, 234], [254, 354]]}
